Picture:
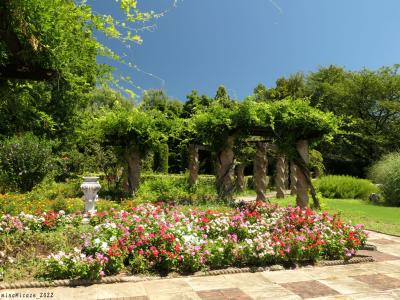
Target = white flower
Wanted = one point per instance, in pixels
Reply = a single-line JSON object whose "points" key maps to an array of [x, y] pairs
{"points": [[104, 247]]}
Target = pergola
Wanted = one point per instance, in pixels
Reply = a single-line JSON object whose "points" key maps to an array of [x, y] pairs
{"points": [[300, 180]]}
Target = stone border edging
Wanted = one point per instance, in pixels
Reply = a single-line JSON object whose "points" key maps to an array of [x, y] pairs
{"points": [[353, 260], [120, 279], [369, 247]]}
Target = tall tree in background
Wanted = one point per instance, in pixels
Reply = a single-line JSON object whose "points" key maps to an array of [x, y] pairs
{"points": [[369, 100]]}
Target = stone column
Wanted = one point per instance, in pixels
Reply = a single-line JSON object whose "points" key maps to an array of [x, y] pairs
{"points": [[226, 170], [286, 175], [193, 164], [260, 171], [240, 177], [280, 176], [293, 178], [134, 166], [302, 184]]}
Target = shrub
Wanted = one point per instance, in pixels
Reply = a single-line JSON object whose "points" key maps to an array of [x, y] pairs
{"points": [[387, 173], [24, 161], [163, 188], [49, 189], [157, 187], [345, 187]]}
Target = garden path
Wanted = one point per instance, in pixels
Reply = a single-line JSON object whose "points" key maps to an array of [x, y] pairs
{"points": [[375, 280]]}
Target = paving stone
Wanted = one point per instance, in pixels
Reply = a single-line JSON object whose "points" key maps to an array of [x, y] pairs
{"points": [[273, 291], [381, 267], [223, 294], [128, 298], [378, 256], [379, 281], [175, 296], [253, 281], [167, 288], [287, 276], [394, 275], [309, 289], [120, 290], [209, 283], [375, 296], [382, 241], [347, 285]]}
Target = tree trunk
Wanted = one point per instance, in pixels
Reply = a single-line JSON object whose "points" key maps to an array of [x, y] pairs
{"points": [[302, 184], [134, 164], [193, 164], [240, 177], [260, 171], [226, 170], [280, 176], [293, 179]]}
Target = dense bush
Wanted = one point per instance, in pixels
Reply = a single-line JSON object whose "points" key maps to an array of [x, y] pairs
{"points": [[175, 188], [49, 189], [24, 161], [386, 172], [345, 187]]}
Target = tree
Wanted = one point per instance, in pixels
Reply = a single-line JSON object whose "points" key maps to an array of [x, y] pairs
{"points": [[53, 40], [369, 100], [293, 86], [195, 103]]}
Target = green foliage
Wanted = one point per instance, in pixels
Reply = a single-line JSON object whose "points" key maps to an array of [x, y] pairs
{"points": [[288, 121], [214, 125], [49, 189], [386, 172], [159, 101], [175, 188], [129, 128], [24, 161], [161, 159], [316, 163], [194, 104], [345, 187]]}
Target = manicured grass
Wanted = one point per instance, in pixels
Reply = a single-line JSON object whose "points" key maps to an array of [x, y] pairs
{"points": [[374, 217]]}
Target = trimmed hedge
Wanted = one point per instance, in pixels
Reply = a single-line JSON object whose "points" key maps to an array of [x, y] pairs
{"points": [[345, 187]]}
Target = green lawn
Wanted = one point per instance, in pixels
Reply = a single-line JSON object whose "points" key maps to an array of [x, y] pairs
{"points": [[374, 217]]}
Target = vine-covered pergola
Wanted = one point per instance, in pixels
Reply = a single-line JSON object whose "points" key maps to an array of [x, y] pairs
{"points": [[285, 127]]}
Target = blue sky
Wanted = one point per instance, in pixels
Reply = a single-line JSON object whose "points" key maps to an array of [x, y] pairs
{"points": [[201, 44]]}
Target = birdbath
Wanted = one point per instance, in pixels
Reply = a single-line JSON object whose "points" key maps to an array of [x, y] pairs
{"points": [[90, 187]]}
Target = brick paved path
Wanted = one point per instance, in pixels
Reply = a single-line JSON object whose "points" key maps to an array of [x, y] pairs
{"points": [[377, 280]]}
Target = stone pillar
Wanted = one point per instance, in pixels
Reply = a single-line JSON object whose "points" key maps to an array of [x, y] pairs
{"points": [[286, 175], [293, 178], [260, 171], [193, 164], [134, 166], [226, 170], [240, 177], [280, 176], [302, 184]]}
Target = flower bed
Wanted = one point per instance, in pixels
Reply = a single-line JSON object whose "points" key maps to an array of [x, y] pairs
{"points": [[152, 238]]}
